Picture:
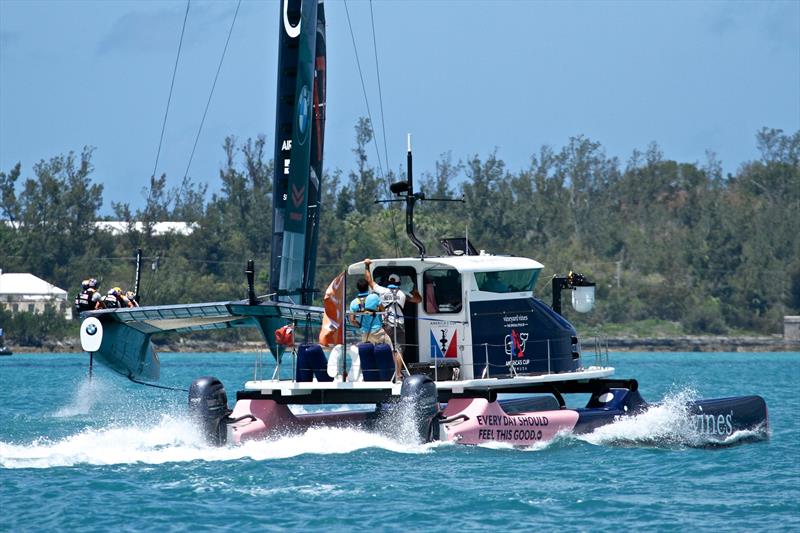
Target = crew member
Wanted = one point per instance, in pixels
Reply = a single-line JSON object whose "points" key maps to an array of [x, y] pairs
{"points": [[133, 300], [88, 297], [113, 299], [365, 314], [393, 300]]}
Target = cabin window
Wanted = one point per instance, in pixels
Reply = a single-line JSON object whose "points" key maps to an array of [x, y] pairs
{"points": [[507, 280], [442, 291]]}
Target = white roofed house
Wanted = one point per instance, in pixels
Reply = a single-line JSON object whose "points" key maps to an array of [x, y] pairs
{"points": [[27, 293]]}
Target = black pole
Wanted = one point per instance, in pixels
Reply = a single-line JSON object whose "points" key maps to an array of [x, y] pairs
{"points": [[411, 198], [138, 279], [250, 272], [559, 283]]}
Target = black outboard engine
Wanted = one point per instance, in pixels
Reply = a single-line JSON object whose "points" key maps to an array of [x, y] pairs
{"points": [[208, 408], [418, 398]]}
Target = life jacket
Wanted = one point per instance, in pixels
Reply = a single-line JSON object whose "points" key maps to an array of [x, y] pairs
{"points": [[111, 301], [393, 306], [84, 302], [376, 306], [361, 301]]}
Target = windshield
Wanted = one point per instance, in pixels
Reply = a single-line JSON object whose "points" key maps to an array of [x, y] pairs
{"points": [[507, 280]]}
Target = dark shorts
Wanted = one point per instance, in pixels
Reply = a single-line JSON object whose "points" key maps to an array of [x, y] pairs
{"points": [[400, 331]]}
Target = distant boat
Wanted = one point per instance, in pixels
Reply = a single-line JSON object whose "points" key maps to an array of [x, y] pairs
{"points": [[3, 349]]}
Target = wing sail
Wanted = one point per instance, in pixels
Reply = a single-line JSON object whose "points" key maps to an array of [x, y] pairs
{"points": [[299, 134]]}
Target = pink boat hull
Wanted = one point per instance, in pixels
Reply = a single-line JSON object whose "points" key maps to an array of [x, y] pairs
{"points": [[475, 421]]}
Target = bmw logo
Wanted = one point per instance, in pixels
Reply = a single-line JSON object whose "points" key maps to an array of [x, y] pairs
{"points": [[303, 112], [91, 329]]}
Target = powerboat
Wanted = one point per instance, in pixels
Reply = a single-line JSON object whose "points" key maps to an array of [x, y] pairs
{"points": [[485, 359]]}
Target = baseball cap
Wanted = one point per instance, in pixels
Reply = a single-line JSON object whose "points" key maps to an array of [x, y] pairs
{"points": [[394, 279]]}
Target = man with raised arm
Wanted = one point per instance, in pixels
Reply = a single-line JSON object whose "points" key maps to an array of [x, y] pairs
{"points": [[393, 299]]}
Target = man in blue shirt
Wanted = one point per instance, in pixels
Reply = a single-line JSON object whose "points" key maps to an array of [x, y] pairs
{"points": [[366, 315], [393, 300]]}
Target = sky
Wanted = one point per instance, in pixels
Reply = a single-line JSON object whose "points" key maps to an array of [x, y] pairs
{"points": [[467, 77]]}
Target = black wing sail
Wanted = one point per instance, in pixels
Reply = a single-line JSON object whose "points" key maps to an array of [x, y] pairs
{"points": [[299, 135], [121, 338]]}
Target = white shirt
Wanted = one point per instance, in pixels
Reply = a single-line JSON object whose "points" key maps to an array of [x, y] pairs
{"points": [[393, 301]]}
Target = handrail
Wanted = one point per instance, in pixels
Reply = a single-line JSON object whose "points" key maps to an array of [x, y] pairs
{"points": [[601, 360]]}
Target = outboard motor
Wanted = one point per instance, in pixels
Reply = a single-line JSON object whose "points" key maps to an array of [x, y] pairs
{"points": [[418, 398], [208, 408]]}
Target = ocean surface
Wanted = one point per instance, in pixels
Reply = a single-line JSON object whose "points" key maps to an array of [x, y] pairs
{"points": [[111, 455]]}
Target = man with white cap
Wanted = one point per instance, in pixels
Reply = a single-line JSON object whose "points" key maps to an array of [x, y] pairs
{"points": [[393, 299]]}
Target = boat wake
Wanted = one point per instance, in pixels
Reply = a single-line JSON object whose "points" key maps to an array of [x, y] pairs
{"points": [[176, 440], [168, 439], [667, 424]]}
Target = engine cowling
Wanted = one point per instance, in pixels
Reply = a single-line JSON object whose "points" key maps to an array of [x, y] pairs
{"points": [[208, 409]]}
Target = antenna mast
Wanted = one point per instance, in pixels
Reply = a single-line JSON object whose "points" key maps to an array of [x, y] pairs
{"points": [[410, 198]]}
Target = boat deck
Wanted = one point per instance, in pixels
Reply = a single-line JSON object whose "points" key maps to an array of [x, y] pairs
{"points": [[313, 392]]}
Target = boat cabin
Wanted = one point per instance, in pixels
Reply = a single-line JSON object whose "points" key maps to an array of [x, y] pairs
{"points": [[479, 310]]}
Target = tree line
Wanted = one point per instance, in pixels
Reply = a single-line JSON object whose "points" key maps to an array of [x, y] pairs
{"points": [[664, 240]]}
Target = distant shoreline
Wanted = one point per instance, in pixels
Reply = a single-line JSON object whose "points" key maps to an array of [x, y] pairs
{"points": [[700, 343]]}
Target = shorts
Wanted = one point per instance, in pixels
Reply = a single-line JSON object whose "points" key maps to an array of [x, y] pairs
{"points": [[377, 337], [398, 335]]}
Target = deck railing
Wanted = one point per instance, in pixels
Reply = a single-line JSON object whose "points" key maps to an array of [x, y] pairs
{"points": [[481, 362]]}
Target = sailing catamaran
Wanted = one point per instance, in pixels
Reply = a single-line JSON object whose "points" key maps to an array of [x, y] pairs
{"points": [[478, 333]]}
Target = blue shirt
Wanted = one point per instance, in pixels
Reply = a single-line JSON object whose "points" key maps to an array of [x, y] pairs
{"points": [[368, 323]]}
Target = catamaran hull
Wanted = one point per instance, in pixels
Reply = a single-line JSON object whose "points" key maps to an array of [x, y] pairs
{"points": [[479, 421]]}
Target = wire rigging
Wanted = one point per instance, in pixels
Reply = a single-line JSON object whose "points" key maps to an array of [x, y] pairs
{"points": [[380, 92], [169, 98], [363, 87], [383, 127], [208, 103], [369, 114]]}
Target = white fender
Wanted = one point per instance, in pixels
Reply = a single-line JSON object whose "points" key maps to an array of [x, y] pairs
{"points": [[355, 366], [335, 361], [91, 334]]}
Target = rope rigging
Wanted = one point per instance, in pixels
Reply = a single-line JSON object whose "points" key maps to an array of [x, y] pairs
{"points": [[211, 93], [208, 102], [363, 88], [383, 127], [169, 98], [155, 386], [380, 92], [369, 114]]}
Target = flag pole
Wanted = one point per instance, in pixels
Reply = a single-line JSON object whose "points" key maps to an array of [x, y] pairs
{"points": [[343, 325]]}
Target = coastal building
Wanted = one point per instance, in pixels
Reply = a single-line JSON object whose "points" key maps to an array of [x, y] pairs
{"points": [[27, 293], [791, 328], [117, 227], [120, 227]]}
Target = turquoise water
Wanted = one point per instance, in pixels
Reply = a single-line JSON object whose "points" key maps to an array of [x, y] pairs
{"points": [[112, 455]]}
